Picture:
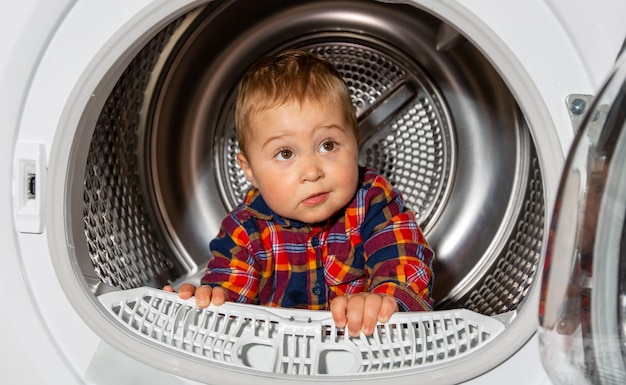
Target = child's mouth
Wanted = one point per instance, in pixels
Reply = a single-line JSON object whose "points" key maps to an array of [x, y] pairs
{"points": [[315, 199]]}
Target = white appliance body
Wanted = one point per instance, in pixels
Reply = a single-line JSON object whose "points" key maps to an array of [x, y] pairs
{"points": [[548, 50]]}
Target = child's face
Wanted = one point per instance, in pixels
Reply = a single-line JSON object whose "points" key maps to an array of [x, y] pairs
{"points": [[303, 159]]}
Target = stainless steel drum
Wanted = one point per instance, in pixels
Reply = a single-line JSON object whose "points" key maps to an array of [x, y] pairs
{"points": [[435, 118]]}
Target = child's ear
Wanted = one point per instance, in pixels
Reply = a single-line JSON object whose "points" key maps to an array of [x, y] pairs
{"points": [[245, 166]]}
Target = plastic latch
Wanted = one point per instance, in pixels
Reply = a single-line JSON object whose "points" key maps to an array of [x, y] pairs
{"points": [[29, 182]]}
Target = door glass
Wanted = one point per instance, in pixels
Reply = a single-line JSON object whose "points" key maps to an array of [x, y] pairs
{"points": [[583, 299]]}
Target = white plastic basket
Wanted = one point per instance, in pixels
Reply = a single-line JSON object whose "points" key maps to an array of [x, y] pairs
{"points": [[302, 342]]}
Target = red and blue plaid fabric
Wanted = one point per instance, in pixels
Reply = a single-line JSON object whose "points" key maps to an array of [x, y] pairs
{"points": [[374, 245]]}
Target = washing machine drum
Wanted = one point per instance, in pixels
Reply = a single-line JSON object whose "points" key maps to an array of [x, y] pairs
{"points": [[156, 172]]}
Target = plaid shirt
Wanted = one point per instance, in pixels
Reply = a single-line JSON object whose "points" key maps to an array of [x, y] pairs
{"points": [[373, 245]]}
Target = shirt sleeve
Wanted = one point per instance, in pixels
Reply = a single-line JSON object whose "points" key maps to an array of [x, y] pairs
{"points": [[398, 258], [232, 265]]}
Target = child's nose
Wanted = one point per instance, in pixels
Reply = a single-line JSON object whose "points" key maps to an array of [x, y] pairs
{"points": [[311, 169]]}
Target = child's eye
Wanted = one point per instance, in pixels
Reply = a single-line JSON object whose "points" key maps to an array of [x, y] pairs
{"points": [[284, 154], [328, 146]]}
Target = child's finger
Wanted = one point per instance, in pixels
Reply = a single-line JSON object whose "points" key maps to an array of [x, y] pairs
{"points": [[388, 306], [218, 296], [203, 296], [186, 290], [338, 309], [371, 313], [356, 304]]}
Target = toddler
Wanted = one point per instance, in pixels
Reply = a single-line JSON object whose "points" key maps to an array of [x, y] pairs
{"points": [[316, 230]]}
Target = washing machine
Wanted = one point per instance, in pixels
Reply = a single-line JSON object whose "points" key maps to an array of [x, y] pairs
{"points": [[118, 156]]}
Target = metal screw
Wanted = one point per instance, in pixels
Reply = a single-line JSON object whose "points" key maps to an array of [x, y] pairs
{"points": [[578, 106]]}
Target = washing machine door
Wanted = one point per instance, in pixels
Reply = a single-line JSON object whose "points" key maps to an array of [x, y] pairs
{"points": [[122, 164], [583, 308]]}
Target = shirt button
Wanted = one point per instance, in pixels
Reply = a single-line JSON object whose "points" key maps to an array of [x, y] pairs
{"points": [[315, 241], [317, 290]]}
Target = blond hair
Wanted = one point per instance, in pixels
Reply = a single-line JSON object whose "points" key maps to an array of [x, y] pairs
{"points": [[292, 75]]}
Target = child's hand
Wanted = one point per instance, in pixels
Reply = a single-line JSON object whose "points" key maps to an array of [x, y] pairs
{"points": [[361, 311], [204, 294]]}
